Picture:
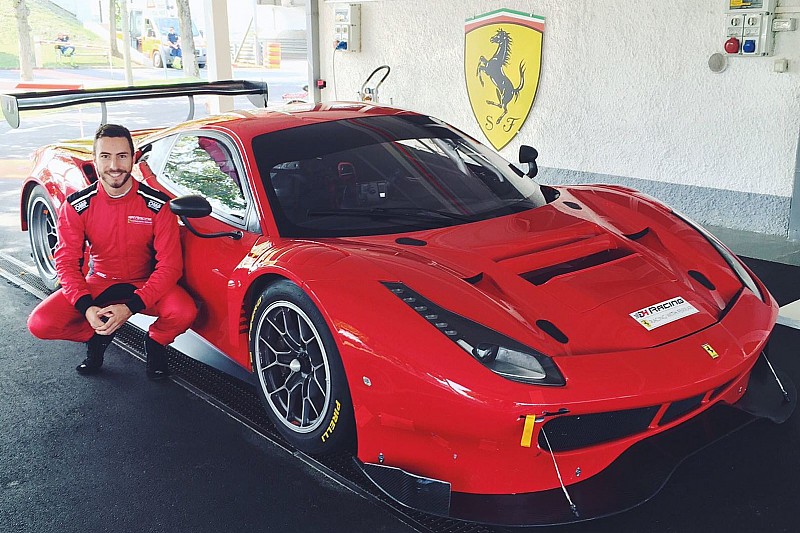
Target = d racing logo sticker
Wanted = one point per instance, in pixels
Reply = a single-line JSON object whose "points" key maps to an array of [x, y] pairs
{"points": [[502, 62], [657, 315]]}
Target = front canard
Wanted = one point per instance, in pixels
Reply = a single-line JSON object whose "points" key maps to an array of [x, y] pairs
{"points": [[502, 63]]}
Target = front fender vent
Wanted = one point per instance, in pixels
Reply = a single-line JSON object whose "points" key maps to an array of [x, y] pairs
{"points": [[552, 330], [702, 280]]}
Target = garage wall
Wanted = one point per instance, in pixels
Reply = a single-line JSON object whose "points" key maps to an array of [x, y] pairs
{"points": [[625, 96]]}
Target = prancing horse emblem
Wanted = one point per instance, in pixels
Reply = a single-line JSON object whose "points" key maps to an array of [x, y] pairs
{"points": [[501, 88], [493, 68]]}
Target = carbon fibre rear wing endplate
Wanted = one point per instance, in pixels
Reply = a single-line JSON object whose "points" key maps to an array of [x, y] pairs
{"points": [[12, 104]]}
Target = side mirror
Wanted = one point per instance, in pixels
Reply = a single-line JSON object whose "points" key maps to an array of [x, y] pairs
{"points": [[190, 206], [528, 154], [195, 206]]}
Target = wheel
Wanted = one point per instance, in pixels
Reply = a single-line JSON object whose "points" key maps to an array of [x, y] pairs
{"points": [[43, 236], [157, 59], [300, 373]]}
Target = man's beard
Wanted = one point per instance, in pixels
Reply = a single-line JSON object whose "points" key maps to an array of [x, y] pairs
{"points": [[113, 183]]}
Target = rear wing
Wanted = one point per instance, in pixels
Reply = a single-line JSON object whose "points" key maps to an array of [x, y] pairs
{"points": [[12, 104]]}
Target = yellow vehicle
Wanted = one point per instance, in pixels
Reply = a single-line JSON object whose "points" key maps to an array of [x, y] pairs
{"points": [[150, 32]]}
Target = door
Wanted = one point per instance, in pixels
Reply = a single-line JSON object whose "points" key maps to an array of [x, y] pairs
{"points": [[208, 164]]}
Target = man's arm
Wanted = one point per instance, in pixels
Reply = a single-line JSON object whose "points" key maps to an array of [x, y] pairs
{"points": [[169, 261], [68, 257]]}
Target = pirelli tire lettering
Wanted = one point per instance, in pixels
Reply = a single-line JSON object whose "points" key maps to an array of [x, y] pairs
{"points": [[334, 419], [299, 371]]}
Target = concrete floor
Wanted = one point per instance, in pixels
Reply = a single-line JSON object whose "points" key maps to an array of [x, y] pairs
{"points": [[120, 453]]}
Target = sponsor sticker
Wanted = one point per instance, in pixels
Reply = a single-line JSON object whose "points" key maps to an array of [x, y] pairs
{"points": [[134, 219], [657, 315]]}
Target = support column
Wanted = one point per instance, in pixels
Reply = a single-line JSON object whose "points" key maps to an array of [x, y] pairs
{"points": [[312, 31], [794, 210], [219, 52]]}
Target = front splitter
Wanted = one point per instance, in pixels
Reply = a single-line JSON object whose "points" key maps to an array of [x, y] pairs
{"points": [[633, 478]]}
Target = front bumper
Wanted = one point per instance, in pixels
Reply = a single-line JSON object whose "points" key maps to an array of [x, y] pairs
{"points": [[622, 485]]}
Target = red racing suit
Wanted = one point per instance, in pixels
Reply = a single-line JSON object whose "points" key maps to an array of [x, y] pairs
{"points": [[133, 242]]}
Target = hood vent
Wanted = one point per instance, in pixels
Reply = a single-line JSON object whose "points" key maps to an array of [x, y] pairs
{"points": [[543, 275], [472, 280], [638, 235], [704, 281], [551, 329], [408, 241]]}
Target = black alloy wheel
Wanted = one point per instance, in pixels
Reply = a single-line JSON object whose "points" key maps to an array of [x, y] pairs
{"points": [[42, 233], [300, 373]]}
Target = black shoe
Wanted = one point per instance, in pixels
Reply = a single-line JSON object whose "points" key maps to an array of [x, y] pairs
{"points": [[156, 353], [90, 366], [95, 349]]}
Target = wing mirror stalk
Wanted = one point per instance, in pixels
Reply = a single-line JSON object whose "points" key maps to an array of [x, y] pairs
{"points": [[528, 154], [194, 206]]}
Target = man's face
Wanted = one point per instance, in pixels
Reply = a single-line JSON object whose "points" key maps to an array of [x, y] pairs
{"points": [[113, 161]]}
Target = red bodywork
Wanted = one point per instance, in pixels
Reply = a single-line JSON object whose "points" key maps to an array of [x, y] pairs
{"points": [[420, 403]]}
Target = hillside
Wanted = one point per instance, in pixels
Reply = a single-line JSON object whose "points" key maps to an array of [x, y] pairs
{"points": [[46, 21]]}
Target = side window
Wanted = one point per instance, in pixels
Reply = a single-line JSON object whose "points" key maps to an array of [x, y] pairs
{"points": [[205, 166], [156, 153]]}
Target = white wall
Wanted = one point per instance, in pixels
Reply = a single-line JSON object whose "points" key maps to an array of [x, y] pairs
{"points": [[625, 93]]}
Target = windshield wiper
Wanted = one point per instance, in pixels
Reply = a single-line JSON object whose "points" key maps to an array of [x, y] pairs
{"points": [[417, 213]]}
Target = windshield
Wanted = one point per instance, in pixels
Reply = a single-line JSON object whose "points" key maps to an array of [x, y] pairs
{"points": [[383, 175], [165, 23]]}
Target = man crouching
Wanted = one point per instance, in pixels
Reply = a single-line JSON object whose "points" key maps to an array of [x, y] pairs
{"points": [[135, 262]]}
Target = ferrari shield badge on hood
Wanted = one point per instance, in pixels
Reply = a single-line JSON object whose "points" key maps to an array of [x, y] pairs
{"points": [[502, 62]]}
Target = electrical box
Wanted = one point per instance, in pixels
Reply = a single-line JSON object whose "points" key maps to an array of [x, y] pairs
{"points": [[748, 27], [347, 27]]}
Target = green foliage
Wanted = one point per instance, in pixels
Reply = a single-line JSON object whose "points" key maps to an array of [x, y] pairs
{"points": [[46, 21]]}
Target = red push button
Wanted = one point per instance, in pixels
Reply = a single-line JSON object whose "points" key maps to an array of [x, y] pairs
{"points": [[732, 45]]}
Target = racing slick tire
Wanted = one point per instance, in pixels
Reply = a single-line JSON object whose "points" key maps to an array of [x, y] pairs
{"points": [[42, 233], [157, 61], [299, 371]]}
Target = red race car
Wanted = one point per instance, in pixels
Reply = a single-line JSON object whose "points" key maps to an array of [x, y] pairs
{"points": [[488, 347]]}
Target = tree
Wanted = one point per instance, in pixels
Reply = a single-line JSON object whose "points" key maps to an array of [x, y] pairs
{"points": [[112, 28], [26, 59], [188, 61]]}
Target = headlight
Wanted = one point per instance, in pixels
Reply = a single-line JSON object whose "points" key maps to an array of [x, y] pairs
{"points": [[734, 262], [500, 354]]}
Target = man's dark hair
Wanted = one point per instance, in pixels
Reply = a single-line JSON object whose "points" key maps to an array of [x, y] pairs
{"points": [[113, 130]]}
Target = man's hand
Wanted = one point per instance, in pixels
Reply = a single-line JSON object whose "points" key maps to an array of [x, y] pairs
{"points": [[109, 319]]}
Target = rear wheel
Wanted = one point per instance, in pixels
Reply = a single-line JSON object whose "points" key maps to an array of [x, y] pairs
{"points": [[43, 236], [157, 62], [301, 377]]}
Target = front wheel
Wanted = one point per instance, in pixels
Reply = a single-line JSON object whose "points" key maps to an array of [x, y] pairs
{"points": [[157, 60], [43, 236], [300, 373]]}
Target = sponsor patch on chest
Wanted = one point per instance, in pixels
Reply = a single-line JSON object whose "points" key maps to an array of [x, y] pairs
{"points": [[155, 205], [135, 219], [80, 206], [662, 313]]}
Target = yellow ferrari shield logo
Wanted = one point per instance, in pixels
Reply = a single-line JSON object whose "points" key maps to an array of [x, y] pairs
{"points": [[502, 62], [711, 351]]}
